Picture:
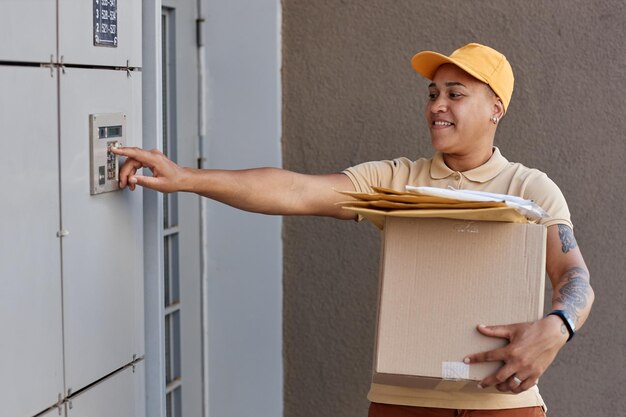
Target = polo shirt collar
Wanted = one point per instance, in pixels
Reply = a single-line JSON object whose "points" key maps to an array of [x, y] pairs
{"points": [[483, 173]]}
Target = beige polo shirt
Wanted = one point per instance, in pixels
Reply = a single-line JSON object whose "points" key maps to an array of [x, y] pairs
{"points": [[498, 176]]}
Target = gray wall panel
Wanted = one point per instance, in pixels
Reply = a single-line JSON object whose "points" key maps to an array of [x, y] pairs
{"points": [[351, 95], [121, 395], [28, 30], [31, 356], [103, 253], [76, 34]]}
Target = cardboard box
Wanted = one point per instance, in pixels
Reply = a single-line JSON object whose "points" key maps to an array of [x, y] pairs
{"points": [[440, 278]]}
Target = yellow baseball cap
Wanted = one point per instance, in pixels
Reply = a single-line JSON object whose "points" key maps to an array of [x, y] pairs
{"points": [[480, 61]]}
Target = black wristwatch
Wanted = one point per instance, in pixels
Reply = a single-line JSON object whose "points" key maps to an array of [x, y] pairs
{"points": [[567, 320]]}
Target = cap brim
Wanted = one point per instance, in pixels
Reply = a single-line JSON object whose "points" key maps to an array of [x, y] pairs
{"points": [[427, 62]]}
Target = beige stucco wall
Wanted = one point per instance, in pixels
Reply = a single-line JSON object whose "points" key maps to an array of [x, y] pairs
{"points": [[350, 95]]}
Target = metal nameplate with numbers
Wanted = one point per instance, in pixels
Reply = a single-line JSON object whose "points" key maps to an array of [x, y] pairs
{"points": [[105, 23]]}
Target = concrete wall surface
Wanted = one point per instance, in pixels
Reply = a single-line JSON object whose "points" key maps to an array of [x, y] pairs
{"points": [[350, 95]]}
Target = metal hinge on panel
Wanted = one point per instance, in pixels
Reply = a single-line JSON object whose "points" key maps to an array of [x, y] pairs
{"points": [[68, 399], [51, 65], [135, 361], [62, 66], [59, 404], [128, 70], [199, 34], [62, 233]]}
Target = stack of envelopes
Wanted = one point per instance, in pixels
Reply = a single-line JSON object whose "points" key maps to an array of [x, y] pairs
{"points": [[438, 203]]}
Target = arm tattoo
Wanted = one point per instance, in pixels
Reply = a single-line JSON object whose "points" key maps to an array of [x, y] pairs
{"points": [[568, 241], [573, 292]]}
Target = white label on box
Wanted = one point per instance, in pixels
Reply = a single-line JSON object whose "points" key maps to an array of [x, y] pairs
{"points": [[466, 227], [454, 370]]}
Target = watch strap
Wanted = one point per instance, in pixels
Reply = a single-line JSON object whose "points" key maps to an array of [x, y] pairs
{"points": [[566, 320]]}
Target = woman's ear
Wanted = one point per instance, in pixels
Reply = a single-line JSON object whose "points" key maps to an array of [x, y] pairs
{"points": [[498, 108]]}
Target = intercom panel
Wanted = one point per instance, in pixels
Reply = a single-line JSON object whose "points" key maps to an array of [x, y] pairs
{"points": [[106, 131]]}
